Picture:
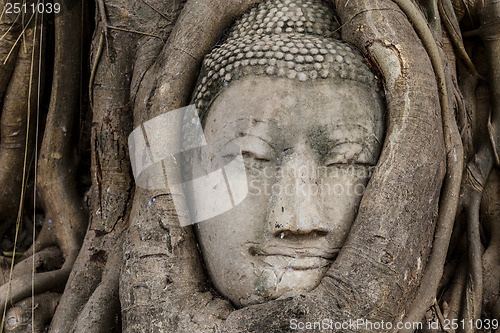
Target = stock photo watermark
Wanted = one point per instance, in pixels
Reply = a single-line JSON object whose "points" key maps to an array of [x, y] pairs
{"points": [[30, 8], [362, 324]]}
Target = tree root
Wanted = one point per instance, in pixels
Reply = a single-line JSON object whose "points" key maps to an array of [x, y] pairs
{"points": [[431, 9], [467, 119], [20, 319], [45, 260], [93, 269], [57, 168], [101, 313], [45, 238], [448, 203], [46, 281], [452, 300], [474, 286], [478, 171], [450, 21], [17, 145], [17, 129], [10, 25], [490, 34], [111, 187], [490, 207]]}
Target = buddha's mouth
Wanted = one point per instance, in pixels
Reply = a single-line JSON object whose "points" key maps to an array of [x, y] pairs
{"points": [[294, 258]]}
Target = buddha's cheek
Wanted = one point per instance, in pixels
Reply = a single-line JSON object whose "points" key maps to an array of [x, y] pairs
{"points": [[339, 196], [225, 241]]}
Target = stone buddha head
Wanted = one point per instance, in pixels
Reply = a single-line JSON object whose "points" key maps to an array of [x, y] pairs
{"points": [[307, 114]]}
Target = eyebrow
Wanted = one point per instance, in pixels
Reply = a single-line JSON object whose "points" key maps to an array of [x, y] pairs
{"points": [[255, 136]]}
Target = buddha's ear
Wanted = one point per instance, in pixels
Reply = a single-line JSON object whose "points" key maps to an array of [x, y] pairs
{"points": [[406, 197]]}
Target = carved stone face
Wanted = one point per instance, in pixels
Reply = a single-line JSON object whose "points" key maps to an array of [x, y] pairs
{"points": [[309, 149]]}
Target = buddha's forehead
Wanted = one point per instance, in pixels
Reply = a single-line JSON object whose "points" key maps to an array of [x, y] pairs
{"points": [[280, 108]]}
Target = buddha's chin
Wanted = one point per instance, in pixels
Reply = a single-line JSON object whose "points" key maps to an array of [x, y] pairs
{"points": [[276, 283]]}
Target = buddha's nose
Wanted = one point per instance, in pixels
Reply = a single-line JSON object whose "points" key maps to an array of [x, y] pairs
{"points": [[294, 209]]}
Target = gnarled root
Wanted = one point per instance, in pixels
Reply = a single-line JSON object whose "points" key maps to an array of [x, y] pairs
{"points": [[490, 208], [94, 308], [32, 315], [477, 173], [101, 313], [19, 82], [46, 260], [57, 167]]}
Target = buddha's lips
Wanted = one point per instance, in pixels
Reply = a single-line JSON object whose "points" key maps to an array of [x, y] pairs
{"points": [[302, 258]]}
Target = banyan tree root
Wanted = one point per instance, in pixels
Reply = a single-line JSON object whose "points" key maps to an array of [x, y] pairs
{"points": [[453, 298], [32, 315], [112, 185], [450, 21], [17, 136], [476, 175], [48, 259], [490, 215], [10, 28], [56, 175], [101, 312], [18, 89], [426, 293], [46, 238], [116, 56], [490, 34]]}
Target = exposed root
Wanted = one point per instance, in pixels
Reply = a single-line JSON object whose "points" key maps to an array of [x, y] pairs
{"points": [[111, 190], [490, 207], [19, 318], [450, 21], [432, 12], [490, 33], [102, 311], [474, 287], [46, 260], [452, 300], [454, 164], [57, 180], [18, 111], [57, 168], [451, 267], [45, 238], [9, 31], [46, 281], [478, 171]]}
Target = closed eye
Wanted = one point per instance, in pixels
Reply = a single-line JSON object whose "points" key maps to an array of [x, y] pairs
{"points": [[348, 164], [251, 147], [249, 154], [350, 153]]}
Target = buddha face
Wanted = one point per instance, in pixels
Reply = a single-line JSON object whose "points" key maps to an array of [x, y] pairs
{"points": [[308, 150]]}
